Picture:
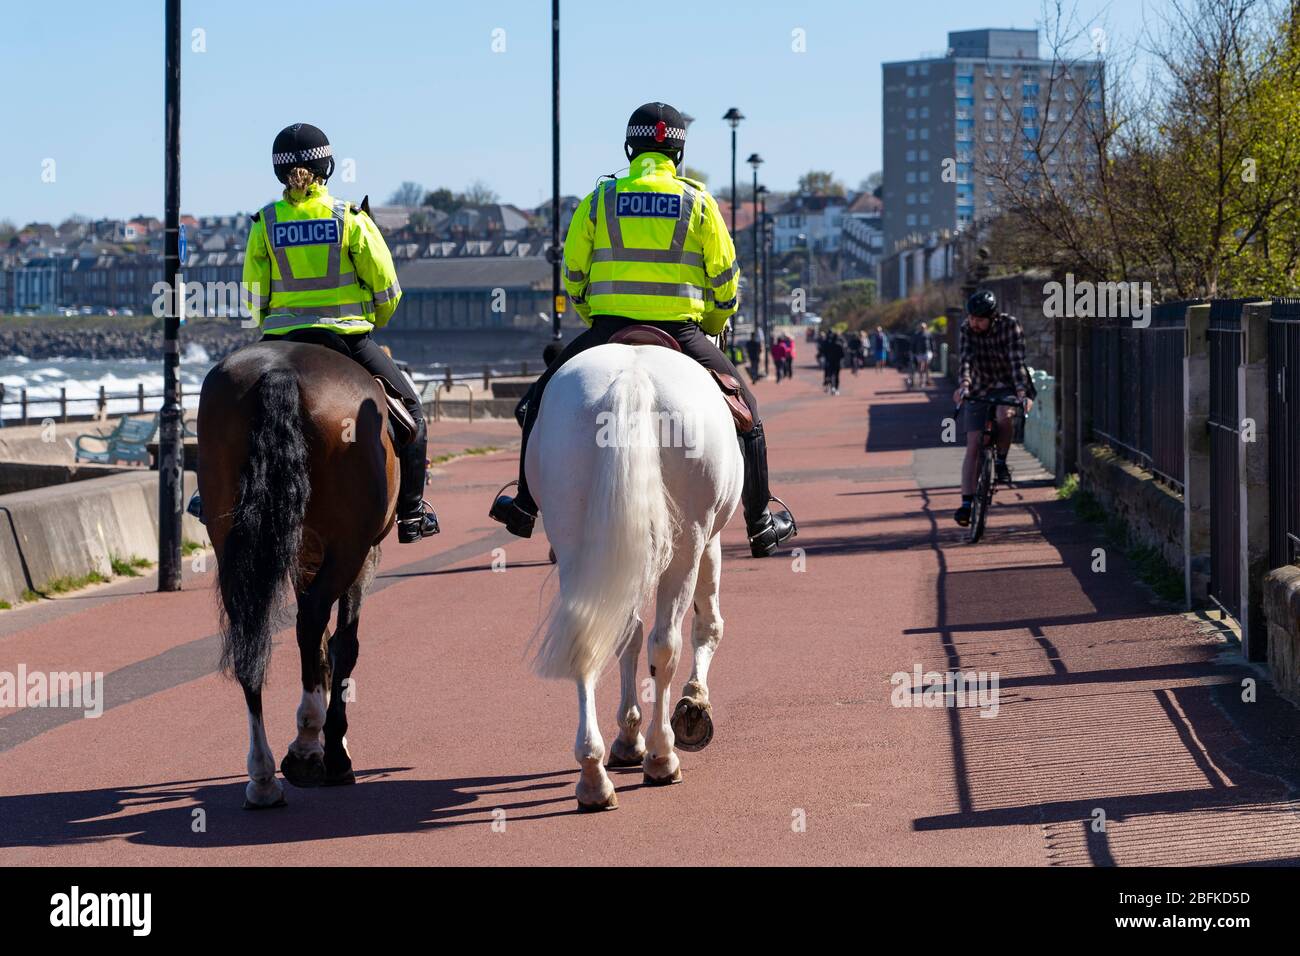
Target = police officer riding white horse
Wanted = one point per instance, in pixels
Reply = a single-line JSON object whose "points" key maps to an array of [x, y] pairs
{"points": [[651, 248]]}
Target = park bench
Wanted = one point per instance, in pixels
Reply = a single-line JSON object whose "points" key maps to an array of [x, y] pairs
{"points": [[127, 442]]}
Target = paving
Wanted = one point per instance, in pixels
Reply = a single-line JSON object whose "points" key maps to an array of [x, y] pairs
{"points": [[1121, 731]]}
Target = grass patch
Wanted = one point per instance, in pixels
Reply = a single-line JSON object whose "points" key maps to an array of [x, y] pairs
{"points": [[463, 453], [188, 547], [5, 606], [128, 567], [1148, 563]]}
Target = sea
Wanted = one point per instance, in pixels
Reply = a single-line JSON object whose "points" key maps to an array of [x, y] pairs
{"points": [[45, 378]]}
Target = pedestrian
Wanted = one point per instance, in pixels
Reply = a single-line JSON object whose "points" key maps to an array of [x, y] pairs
{"points": [[778, 357], [833, 354], [754, 350], [880, 348], [856, 353]]}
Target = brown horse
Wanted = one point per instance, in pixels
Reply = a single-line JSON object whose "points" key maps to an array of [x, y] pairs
{"points": [[298, 476]]}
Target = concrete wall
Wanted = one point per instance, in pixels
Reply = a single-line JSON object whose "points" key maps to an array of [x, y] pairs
{"points": [[1153, 513], [73, 529], [22, 476]]}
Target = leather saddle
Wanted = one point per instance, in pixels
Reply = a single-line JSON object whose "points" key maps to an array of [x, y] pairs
{"points": [[399, 419], [730, 385]]}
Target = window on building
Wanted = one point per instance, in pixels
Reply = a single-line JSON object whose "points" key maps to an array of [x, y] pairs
{"points": [[925, 112], [924, 69], [911, 112], [925, 155], [925, 132], [989, 113], [911, 69], [911, 219], [911, 177], [911, 155]]}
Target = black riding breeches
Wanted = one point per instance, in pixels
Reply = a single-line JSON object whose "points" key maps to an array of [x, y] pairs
{"points": [[367, 353]]}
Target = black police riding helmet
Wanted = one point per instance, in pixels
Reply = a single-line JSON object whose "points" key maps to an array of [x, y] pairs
{"points": [[983, 304], [302, 145], [655, 128]]}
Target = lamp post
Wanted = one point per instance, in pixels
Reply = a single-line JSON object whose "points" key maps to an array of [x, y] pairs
{"points": [[170, 458], [733, 117], [760, 267], [555, 254], [767, 246]]}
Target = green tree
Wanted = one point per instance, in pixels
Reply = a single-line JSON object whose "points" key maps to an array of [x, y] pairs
{"points": [[820, 182]]}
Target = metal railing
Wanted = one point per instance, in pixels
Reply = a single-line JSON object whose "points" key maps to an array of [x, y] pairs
{"points": [[1137, 389], [1225, 348], [1284, 432]]}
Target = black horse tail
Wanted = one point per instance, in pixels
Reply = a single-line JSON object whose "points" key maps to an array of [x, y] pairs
{"points": [[261, 551]]}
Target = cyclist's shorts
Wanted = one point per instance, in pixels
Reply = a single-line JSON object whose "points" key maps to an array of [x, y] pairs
{"points": [[975, 411]]}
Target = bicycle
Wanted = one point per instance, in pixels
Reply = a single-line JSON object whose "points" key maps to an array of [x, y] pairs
{"points": [[985, 477]]}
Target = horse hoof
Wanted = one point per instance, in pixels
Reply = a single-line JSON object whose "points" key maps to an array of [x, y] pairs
{"points": [[268, 798], [551, 557], [303, 771], [622, 754], [692, 725], [249, 805], [340, 778], [674, 777], [610, 803]]}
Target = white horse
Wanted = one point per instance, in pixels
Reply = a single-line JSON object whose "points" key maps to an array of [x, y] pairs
{"points": [[635, 463]]}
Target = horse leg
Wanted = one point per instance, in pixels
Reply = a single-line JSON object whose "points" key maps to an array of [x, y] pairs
{"points": [[264, 791], [692, 717], [595, 792], [304, 764], [343, 648], [628, 748], [661, 764]]}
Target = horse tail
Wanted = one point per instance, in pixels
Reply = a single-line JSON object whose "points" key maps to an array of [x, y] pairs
{"points": [[261, 550], [630, 529]]}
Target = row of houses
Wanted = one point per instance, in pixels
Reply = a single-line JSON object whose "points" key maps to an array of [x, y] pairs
{"points": [[451, 264]]}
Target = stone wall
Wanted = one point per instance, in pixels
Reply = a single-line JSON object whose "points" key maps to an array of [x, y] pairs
{"points": [[1153, 512], [1282, 612]]}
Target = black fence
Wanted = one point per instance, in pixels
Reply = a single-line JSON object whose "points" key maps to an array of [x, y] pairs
{"points": [[1137, 388], [1284, 432]]}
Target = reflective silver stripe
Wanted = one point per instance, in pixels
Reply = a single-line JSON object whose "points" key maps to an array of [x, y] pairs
{"points": [[729, 304], [673, 290], [319, 284], [684, 221], [611, 220], [726, 275], [668, 256], [386, 294], [591, 206], [324, 311], [574, 275]]}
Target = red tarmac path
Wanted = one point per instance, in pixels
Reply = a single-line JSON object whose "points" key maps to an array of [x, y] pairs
{"points": [[1109, 704]]}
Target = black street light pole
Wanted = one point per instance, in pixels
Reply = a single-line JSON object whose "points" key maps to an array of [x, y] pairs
{"points": [[755, 161], [170, 459], [556, 254], [733, 117], [767, 275]]}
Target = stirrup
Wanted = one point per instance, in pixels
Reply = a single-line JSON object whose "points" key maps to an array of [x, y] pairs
{"points": [[794, 525]]}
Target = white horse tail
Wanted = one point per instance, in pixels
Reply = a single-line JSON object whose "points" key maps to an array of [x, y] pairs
{"points": [[630, 527]]}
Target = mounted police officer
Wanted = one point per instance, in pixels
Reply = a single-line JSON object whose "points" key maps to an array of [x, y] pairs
{"points": [[317, 270], [652, 248]]}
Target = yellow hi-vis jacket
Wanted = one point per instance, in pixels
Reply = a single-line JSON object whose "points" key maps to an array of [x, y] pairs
{"points": [[652, 246], [318, 263]]}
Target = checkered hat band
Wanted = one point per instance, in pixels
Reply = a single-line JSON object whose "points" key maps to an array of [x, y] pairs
{"points": [[306, 156], [648, 132]]}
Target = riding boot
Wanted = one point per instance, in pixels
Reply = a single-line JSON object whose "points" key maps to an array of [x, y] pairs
{"points": [[415, 519], [766, 530], [518, 513]]}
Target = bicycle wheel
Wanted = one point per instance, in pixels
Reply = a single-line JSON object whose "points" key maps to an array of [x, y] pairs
{"points": [[983, 496]]}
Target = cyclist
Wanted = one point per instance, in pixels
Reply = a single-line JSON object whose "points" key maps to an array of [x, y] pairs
{"points": [[991, 367]]}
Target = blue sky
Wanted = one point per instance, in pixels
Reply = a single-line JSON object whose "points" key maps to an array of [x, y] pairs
{"points": [[413, 90]]}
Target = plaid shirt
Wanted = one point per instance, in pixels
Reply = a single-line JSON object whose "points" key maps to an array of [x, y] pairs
{"points": [[995, 359]]}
